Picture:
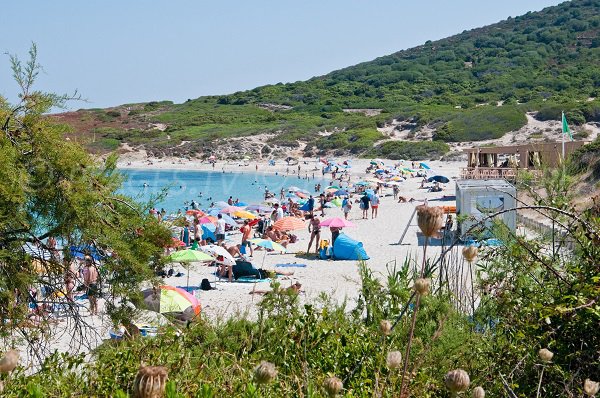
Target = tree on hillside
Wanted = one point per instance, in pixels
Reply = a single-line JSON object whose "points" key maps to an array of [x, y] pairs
{"points": [[51, 191]]}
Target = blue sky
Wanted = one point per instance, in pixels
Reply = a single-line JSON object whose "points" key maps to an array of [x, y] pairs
{"points": [[120, 51]]}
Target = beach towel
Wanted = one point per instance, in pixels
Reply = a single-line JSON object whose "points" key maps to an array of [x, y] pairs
{"points": [[290, 265], [244, 279]]}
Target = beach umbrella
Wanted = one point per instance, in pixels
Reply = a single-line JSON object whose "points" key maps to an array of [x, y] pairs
{"points": [[337, 202], [229, 210], [334, 187], [336, 222], [165, 299], [374, 180], [188, 256], [221, 204], [289, 224], [373, 162], [268, 244], [379, 171], [408, 169], [196, 213], [293, 188], [176, 243], [228, 220], [424, 165], [441, 179], [87, 250], [244, 214], [208, 232], [398, 178], [260, 208], [362, 183], [207, 220], [369, 192], [301, 195], [240, 204], [394, 183], [219, 251], [341, 192]]}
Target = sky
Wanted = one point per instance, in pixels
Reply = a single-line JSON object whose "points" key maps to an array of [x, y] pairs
{"points": [[124, 51]]}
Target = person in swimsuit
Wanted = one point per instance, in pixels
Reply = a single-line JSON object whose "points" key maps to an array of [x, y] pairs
{"points": [[315, 233]]}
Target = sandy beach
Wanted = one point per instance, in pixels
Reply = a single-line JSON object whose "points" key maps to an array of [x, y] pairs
{"points": [[338, 279]]}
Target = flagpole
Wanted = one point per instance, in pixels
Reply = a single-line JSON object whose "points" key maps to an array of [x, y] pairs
{"points": [[563, 138]]}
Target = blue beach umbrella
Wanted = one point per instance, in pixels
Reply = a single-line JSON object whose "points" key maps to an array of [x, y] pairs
{"points": [[208, 232], [425, 166], [341, 192], [240, 204], [441, 179]]}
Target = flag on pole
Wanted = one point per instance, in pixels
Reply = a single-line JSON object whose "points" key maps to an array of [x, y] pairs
{"points": [[565, 127]]}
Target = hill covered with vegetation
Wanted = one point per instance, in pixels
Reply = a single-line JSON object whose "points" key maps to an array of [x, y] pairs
{"points": [[473, 86]]}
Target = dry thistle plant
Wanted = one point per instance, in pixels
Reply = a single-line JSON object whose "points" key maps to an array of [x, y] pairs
{"points": [[150, 382], [430, 220], [470, 253], [394, 360], [385, 327], [545, 355], [9, 361], [422, 286], [265, 372], [457, 381], [590, 387], [478, 392], [333, 386]]}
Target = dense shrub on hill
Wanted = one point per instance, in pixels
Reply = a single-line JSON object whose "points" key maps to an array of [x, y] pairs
{"points": [[409, 150], [483, 123]]}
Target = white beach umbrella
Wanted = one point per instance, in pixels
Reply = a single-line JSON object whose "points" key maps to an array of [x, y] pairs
{"points": [[216, 251]]}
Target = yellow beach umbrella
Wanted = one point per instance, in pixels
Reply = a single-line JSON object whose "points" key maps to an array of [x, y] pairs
{"points": [[244, 214]]}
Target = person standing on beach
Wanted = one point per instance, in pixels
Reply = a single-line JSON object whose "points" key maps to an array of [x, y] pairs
{"points": [[315, 233], [364, 205], [278, 212], [246, 230], [220, 229], [90, 280], [322, 203], [311, 206], [282, 194], [374, 205], [346, 207]]}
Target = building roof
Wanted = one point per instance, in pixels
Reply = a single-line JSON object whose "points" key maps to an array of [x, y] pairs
{"points": [[479, 184], [533, 147]]}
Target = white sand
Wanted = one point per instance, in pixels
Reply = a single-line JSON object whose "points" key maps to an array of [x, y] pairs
{"points": [[338, 279]]}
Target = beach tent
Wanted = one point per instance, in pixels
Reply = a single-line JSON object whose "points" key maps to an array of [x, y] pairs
{"points": [[207, 233], [346, 248]]}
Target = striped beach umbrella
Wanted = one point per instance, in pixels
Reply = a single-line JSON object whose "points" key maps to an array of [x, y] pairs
{"points": [[289, 224]]}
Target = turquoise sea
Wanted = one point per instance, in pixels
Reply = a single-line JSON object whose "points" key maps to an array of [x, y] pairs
{"points": [[205, 187]]}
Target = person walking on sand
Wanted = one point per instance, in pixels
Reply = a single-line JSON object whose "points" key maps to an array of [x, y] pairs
{"points": [[374, 205], [322, 203], [364, 206], [90, 281], [220, 229], [246, 231], [315, 233], [311, 207], [346, 207]]}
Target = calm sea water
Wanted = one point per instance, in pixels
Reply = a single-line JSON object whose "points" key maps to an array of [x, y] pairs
{"points": [[205, 187]]}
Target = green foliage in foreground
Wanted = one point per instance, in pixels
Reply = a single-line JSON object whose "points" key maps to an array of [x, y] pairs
{"points": [[52, 188]]}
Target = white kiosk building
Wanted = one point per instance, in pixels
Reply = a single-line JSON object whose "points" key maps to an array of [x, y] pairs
{"points": [[478, 199]]}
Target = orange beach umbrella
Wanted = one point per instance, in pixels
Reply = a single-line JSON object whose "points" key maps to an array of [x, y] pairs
{"points": [[289, 224]]}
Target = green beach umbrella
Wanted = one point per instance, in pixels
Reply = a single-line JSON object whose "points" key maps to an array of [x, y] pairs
{"points": [[189, 256]]}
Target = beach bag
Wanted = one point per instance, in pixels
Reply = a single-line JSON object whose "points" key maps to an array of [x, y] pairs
{"points": [[323, 254], [205, 285]]}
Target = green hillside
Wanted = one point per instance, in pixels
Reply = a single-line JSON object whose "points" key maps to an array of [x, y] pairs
{"points": [[545, 61]]}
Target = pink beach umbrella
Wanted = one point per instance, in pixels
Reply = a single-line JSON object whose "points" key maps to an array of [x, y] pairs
{"points": [[336, 222]]}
